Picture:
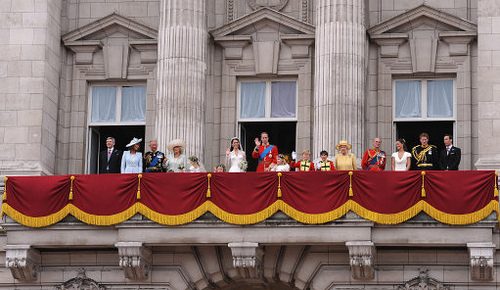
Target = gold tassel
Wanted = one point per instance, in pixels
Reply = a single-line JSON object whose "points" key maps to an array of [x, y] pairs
{"points": [[423, 193], [209, 192], [139, 176], [72, 180], [279, 194], [351, 192], [495, 192], [4, 198]]}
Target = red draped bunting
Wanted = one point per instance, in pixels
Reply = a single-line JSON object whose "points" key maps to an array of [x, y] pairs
{"points": [[453, 197]]}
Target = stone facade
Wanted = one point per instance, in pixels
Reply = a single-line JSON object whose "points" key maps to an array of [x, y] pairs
{"points": [[191, 56]]}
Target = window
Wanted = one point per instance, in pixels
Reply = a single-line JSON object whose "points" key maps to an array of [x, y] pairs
{"points": [[424, 99], [117, 105], [265, 100]]}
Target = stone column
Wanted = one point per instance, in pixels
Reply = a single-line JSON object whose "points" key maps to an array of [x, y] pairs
{"points": [[340, 73], [487, 155], [182, 49]]}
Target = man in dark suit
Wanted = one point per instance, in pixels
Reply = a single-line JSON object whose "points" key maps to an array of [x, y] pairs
{"points": [[111, 158], [450, 156]]}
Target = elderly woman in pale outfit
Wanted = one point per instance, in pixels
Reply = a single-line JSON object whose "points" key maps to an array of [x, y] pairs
{"points": [[176, 161], [344, 160], [132, 159]]}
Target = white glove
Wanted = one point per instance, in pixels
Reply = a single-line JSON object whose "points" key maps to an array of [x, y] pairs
{"points": [[294, 155]]}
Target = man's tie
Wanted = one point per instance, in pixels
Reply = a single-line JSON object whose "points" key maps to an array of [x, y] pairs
{"points": [[109, 153]]}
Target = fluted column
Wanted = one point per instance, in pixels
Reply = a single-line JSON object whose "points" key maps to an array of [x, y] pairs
{"points": [[340, 72], [182, 48]]}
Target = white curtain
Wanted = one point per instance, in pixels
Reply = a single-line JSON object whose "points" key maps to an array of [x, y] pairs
{"points": [[253, 100], [283, 99], [103, 104], [133, 104], [440, 98], [408, 99]]}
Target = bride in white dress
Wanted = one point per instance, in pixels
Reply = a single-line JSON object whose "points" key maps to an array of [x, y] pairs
{"points": [[401, 160], [235, 157]]}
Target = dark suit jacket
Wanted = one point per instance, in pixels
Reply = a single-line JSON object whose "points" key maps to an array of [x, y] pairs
{"points": [[450, 161], [114, 163]]}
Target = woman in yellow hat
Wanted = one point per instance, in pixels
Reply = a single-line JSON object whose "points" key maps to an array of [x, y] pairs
{"points": [[344, 160]]}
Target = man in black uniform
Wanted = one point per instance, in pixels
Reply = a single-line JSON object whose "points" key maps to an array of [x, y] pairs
{"points": [[154, 160], [110, 159], [450, 156], [425, 156]]}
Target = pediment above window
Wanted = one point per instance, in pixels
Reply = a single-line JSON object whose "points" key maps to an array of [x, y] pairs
{"points": [[265, 30], [424, 28], [114, 34]]}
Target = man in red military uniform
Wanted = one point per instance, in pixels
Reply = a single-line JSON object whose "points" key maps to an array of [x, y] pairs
{"points": [[264, 152], [305, 164], [374, 159]]}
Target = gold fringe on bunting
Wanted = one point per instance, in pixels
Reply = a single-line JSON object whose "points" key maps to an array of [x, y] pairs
{"points": [[461, 219], [209, 192], [102, 220], [35, 222], [351, 193], [243, 219], [279, 194], [423, 192], [139, 176], [4, 197], [495, 192], [320, 218], [387, 219], [72, 180], [172, 220]]}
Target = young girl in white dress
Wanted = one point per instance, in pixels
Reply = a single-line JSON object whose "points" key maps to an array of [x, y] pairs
{"points": [[401, 160], [235, 157], [281, 165]]}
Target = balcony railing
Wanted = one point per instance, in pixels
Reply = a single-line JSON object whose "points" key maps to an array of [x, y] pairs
{"points": [[450, 197]]}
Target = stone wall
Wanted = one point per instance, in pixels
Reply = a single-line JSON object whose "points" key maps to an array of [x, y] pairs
{"points": [[29, 69]]}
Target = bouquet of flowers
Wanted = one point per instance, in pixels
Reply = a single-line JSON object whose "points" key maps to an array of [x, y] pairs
{"points": [[243, 165]]}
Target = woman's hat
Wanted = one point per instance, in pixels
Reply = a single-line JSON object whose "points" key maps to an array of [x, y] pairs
{"points": [[134, 141], [176, 143], [343, 143]]}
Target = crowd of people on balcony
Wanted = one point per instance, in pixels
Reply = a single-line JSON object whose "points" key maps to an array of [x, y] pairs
{"points": [[422, 157]]}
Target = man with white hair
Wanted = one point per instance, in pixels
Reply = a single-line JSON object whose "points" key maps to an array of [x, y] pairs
{"points": [[154, 160]]}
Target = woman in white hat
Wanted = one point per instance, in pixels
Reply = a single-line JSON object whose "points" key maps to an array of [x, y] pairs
{"points": [[176, 160], [132, 159], [344, 160]]}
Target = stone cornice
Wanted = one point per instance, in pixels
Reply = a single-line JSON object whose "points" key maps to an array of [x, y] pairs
{"points": [[261, 14], [104, 23], [422, 11]]}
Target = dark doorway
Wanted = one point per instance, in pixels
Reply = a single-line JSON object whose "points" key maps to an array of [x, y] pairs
{"points": [[122, 135], [411, 130], [281, 134]]}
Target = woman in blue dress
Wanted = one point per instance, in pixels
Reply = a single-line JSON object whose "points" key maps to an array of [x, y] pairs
{"points": [[132, 159]]}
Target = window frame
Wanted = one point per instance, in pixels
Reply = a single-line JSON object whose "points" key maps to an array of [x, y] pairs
{"points": [[268, 100], [118, 114], [423, 100]]}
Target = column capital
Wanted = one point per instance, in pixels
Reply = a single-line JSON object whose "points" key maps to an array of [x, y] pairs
{"points": [[23, 262], [361, 259], [481, 261], [247, 258], [135, 260]]}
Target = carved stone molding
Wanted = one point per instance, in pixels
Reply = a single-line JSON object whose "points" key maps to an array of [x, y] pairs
{"points": [[81, 282], [233, 46], [273, 4], [147, 49], [229, 10], [458, 41], [23, 262], [389, 43], [361, 257], [481, 261], [135, 260], [84, 50], [247, 258], [423, 282]]}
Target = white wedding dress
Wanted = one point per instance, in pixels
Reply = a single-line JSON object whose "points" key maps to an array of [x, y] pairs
{"points": [[234, 160]]}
